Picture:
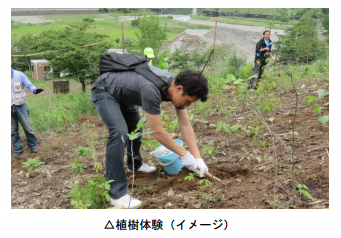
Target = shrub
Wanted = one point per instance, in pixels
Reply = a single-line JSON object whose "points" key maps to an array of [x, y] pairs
{"points": [[91, 194]]}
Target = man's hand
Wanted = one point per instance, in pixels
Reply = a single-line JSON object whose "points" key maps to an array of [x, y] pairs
{"points": [[189, 161], [38, 90], [202, 167]]}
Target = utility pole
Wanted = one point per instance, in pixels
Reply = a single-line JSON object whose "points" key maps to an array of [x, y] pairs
{"points": [[308, 45], [194, 11], [122, 39], [215, 33]]}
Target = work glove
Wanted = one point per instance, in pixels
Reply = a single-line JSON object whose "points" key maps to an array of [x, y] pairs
{"points": [[189, 161], [202, 167], [38, 90]]}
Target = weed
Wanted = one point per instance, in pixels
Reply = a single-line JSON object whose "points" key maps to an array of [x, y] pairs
{"points": [[206, 182], [92, 194], [318, 109], [303, 189], [98, 167], [262, 144], [296, 171], [207, 149], [190, 176], [77, 166], [82, 151], [32, 164], [206, 196]]}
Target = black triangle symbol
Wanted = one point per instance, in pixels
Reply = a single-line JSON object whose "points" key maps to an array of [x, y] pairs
{"points": [[106, 226]]}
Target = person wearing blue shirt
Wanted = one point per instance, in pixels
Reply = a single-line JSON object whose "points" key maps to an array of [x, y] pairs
{"points": [[263, 50], [20, 112]]}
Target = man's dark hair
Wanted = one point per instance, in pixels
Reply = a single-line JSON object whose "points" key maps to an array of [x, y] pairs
{"points": [[265, 32], [194, 84]]}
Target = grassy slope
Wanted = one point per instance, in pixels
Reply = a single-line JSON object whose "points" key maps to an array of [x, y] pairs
{"points": [[106, 26]]}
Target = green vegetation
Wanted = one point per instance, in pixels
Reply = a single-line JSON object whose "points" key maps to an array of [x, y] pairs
{"points": [[77, 166], [190, 176], [318, 107], [55, 111], [293, 47], [151, 33], [92, 194], [303, 189], [82, 151], [232, 112], [64, 49], [32, 164]]}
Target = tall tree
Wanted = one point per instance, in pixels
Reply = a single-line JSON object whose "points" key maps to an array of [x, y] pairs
{"points": [[292, 47], [151, 33]]}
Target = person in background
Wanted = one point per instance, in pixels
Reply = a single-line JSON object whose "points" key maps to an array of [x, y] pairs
{"points": [[20, 112], [263, 50], [149, 53]]}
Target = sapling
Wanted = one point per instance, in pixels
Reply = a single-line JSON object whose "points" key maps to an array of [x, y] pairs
{"points": [[133, 136]]}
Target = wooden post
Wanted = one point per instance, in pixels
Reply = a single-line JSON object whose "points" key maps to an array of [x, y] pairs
{"points": [[122, 39], [61, 86], [308, 45], [215, 33]]}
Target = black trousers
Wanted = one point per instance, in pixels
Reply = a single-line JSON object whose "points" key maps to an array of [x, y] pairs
{"points": [[259, 70]]}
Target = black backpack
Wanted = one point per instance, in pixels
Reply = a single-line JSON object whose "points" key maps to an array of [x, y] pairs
{"points": [[114, 62]]}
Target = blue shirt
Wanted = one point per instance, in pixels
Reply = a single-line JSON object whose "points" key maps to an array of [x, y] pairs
{"points": [[25, 81]]}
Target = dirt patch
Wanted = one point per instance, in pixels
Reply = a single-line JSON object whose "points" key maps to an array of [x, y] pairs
{"points": [[30, 19], [241, 38]]}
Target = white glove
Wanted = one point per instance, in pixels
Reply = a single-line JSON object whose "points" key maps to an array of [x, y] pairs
{"points": [[189, 161], [202, 167]]}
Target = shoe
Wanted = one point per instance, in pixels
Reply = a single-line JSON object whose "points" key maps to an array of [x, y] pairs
{"points": [[16, 154], [127, 202], [145, 168], [35, 150]]}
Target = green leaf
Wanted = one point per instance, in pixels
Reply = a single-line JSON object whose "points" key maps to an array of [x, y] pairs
{"points": [[311, 101], [321, 93], [228, 131], [140, 123], [234, 128], [318, 109], [230, 77], [245, 130], [305, 186], [238, 81], [252, 76], [219, 128], [307, 194], [134, 137], [107, 196], [323, 119], [147, 133], [310, 97], [298, 185]]}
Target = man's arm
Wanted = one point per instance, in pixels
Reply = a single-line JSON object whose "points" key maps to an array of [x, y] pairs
{"points": [[27, 83], [187, 132], [155, 124]]}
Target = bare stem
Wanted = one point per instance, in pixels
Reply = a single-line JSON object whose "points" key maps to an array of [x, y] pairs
{"points": [[293, 145]]}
